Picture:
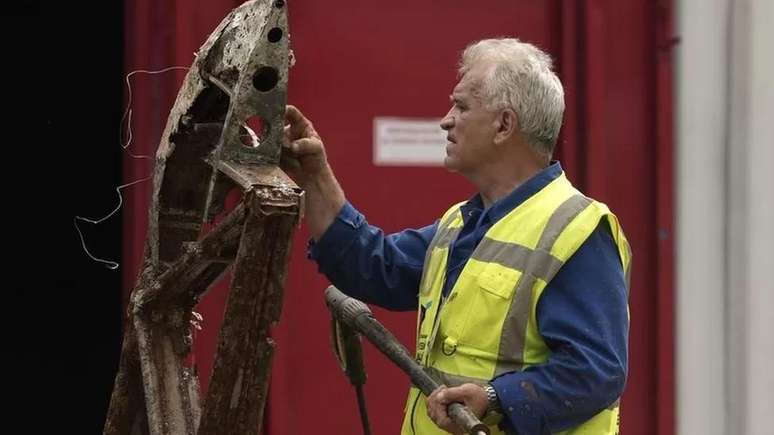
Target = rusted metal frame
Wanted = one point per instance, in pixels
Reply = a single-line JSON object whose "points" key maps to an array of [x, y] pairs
{"points": [[161, 318], [126, 413], [237, 392], [181, 286], [177, 283], [170, 405], [240, 72]]}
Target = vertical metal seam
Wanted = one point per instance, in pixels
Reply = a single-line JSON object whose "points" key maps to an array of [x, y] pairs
{"points": [[725, 239]]}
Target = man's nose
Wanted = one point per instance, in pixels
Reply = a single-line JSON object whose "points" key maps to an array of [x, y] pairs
{"points": [[448, 121]]}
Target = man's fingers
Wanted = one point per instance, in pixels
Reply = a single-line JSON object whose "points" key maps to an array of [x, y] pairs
{"points": [[305, 146], [292, 114], [437, 395], [286, 140], [436, 407], [289, 161], [455, 394], [438, 391], [299, 125]]}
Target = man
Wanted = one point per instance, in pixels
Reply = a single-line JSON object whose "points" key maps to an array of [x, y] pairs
{"points": [[521, 291]]}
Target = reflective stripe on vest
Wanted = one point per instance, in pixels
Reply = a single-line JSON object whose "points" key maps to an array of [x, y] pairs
{"points": [[487, 325]]}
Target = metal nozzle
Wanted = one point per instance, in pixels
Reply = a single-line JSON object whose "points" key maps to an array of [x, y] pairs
{"points": [[345, 307]]}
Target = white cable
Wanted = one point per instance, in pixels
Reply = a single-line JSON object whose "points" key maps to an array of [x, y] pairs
{"points": [[109, 264], [126, 117]]}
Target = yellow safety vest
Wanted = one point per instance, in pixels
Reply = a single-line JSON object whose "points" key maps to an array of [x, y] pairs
{"points": [[487, 325]]}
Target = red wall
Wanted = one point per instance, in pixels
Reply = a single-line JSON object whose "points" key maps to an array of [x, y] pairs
{"points": [[360, 59]]}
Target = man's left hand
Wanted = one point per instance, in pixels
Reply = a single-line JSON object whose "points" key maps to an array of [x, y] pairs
{"points": [[471, 395]]}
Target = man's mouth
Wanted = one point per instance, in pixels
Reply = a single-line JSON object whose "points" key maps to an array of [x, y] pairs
{"points": [[449, 145]]}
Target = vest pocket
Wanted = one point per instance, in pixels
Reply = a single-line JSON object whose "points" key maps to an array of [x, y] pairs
{"points": [[499, 280], [491, 298]]}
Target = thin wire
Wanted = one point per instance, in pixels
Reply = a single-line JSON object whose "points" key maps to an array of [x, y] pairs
{"points": [[112, 265], [127, 116], [128, 111]]}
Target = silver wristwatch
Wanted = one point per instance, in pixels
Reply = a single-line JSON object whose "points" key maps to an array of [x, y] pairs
{"points": [[491, 395]]}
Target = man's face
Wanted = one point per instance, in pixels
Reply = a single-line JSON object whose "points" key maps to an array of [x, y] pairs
{"points": [[470, 127]]}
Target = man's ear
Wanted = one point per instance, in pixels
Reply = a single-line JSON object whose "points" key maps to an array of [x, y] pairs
{"points": [[507, 126]]}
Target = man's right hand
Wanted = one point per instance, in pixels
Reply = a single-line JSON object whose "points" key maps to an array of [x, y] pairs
{"points": [[303, 158], [303, 154]]}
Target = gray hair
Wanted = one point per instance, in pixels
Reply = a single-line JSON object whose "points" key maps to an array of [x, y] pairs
{"points": [[521, 80]]}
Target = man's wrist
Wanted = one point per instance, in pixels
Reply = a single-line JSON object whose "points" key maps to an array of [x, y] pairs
{"points": [[493, 402]]}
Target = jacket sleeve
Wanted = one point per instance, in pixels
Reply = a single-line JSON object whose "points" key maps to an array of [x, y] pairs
{"points": [[366, 264]]}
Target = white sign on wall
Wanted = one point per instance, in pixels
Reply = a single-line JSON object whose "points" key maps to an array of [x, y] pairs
{"points": [[408, 142]]}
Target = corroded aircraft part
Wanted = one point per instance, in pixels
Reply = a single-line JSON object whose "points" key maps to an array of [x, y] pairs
{"points": [[240, 377], [239, 75], [224, 132]]}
